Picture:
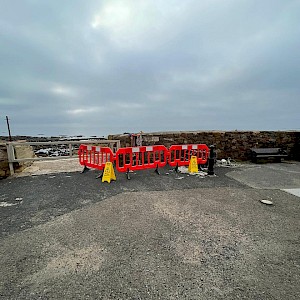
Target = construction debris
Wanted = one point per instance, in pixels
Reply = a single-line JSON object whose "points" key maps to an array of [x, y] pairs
{"points": [[268, 202], [6, 204], [185, 170], [228, 163]]}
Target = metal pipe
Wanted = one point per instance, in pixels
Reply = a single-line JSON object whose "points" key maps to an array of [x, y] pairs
{"points": [[9, 135], [211, 160]]}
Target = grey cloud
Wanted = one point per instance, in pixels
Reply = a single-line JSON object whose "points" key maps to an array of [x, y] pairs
{"points": [[206, 65]]}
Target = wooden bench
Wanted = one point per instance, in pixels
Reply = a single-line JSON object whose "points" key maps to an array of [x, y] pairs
{"points": [[275, 153]]}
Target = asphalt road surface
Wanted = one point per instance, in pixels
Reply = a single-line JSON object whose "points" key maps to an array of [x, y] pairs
{"points": [[70, 236]]}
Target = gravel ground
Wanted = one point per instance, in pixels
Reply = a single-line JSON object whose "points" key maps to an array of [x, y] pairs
{"points": [[69, 236]]}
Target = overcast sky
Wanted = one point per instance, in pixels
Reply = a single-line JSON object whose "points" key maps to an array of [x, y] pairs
{"points": [[98, 67]]}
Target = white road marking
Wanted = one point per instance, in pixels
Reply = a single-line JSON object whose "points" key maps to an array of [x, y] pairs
{"points": [[295, 192]]}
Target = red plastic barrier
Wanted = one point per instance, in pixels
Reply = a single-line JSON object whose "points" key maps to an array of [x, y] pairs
{"points": [[141, 158], [95, 156], [180, 155]]}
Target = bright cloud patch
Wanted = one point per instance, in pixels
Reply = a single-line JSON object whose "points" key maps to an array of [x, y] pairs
{"points": [[83, 111], [64, 91], [132, 23]]}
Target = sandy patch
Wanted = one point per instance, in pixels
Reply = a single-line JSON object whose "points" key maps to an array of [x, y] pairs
{"points": [[51, 166], [68, 261]]}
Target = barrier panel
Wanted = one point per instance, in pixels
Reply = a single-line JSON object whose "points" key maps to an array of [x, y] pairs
{"points": [[95, 156], [180, 155], [141, 158]]}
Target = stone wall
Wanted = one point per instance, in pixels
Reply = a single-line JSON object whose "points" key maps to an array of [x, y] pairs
{"points": [[234, 144], [4, 168]]}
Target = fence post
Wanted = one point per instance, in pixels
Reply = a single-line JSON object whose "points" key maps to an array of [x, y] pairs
{"points": [[211, 160], [11, 158], [70, 150]]}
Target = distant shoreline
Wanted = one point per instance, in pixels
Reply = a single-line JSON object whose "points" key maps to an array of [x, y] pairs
{"points": [[30, 138]]}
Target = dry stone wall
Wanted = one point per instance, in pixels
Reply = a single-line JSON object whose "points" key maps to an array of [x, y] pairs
{"points": [[234, 144], [4, 168]]}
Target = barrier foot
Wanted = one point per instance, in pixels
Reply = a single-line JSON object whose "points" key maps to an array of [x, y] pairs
{"points": [[176, 169], [85, 169], [157, 171], [100, 175], [127, 174]]}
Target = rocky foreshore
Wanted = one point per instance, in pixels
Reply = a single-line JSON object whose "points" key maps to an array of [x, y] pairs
{"points": [[30, 138]]}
